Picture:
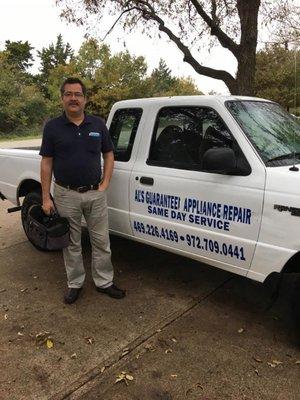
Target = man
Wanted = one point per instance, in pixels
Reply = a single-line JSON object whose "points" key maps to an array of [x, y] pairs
{"points": [[71, 149]]}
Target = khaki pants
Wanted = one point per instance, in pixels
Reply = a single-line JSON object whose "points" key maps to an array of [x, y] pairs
{"points": [[92, 205]]}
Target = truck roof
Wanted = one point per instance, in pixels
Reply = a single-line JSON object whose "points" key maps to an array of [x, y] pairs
{"points": [[181, 100]]}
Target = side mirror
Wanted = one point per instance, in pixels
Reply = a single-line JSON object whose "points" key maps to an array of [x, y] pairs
{"points": [[222, 160]]}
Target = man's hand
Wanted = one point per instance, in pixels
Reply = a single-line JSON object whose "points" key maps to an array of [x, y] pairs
{"points": [[103, 186], [48, 206], [108, 166]]}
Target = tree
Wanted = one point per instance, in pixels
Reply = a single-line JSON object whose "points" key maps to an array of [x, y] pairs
{"points": [[231, 23], [275, 75], [56, 54], [113, 77], [19, 54], [117, 77], [162, 77], [22, 106], [162, 83]]}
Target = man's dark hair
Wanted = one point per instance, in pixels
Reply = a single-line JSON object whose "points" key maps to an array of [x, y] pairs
{"points": [[72, 81]]}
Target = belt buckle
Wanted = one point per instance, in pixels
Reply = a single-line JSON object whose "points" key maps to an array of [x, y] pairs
{"points": [[82, 189]]}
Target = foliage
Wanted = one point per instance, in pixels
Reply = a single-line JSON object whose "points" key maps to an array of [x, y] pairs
{"points": [[54, 55], [162, 83], [21, 104], [25, 102], [192, 24], [113, 77], [276, 74], [58, 54], [19, 54]]}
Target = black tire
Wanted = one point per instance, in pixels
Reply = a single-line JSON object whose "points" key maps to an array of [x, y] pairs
{"points": [[29, 200], [296, 308]]}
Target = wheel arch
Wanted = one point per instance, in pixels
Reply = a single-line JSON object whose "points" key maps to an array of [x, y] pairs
{"points": [[292, 265]]}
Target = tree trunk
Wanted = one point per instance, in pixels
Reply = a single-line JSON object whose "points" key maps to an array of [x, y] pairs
{"points": [[248, 13]]}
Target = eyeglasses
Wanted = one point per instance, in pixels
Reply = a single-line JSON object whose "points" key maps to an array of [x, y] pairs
{"points": [[77, 95]]}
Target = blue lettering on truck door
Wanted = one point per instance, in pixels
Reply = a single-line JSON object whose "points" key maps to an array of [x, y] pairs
{"points": [[211, 216]]}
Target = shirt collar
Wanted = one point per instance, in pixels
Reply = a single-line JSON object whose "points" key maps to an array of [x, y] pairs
{"points": [[87, 119]]}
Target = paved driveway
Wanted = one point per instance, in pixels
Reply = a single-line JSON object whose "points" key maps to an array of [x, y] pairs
{"points": [[184, 331]]}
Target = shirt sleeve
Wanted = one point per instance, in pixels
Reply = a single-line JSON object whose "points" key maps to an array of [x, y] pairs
{"points": [[106, 144], [47, 147]]}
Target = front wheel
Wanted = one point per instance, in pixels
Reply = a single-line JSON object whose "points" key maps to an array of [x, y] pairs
{"points": [[30, 199], [296, 307]]}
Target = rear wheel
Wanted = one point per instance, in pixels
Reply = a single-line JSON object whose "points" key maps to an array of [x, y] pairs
{"points": [[30, 199]]}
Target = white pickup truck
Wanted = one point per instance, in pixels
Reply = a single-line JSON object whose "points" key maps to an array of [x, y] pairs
{"points": [[212, 178]]}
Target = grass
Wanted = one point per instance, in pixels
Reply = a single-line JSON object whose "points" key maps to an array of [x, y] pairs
{"points": [[12, 137]]}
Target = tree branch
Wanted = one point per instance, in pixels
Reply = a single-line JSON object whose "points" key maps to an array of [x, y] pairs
{"points": [[116, 21], [224, 39], [227, 78], [149, 13]]}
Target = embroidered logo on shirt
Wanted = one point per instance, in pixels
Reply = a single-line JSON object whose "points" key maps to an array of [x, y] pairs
{"points": [[94, 134]]}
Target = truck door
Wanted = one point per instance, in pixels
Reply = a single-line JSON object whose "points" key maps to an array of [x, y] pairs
{"points": [[176, 204], [123, 128]]}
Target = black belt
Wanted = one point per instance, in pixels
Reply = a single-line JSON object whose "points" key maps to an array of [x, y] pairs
{"points": [[79, 189]]}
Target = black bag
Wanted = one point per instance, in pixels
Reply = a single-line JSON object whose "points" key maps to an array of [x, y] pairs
{"points": [[47, 232]]}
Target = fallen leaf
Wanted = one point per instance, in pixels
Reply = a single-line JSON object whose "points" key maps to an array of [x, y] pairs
{"points": [[126, 351], [241, 330], [20, 334], [199, 385], [158, 330], [102, 370], [257, 359], [49, 343], [297, 362], [5, 316], [24, 290], [124, 377], [119, 379], [168, 351], [174, 340], [174, 375], [89, 340], [256, 371], [41, 337], [274, 363], [35, 276], [74, 355]]}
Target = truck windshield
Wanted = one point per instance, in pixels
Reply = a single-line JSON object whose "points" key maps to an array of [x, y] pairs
{"points": [[274, 132]]}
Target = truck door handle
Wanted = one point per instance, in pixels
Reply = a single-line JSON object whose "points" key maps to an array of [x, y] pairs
{"points": [[146, 180]]}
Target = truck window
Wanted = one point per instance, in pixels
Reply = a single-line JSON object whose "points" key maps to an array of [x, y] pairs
{"points": [[183, 134], [122, 130], [274, 132]]}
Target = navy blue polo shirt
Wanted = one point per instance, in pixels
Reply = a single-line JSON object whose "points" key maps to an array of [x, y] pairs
{"points": [[76, 150]]}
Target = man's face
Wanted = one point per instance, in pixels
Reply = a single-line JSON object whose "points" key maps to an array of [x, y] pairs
{"points": [[73, 99]]}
